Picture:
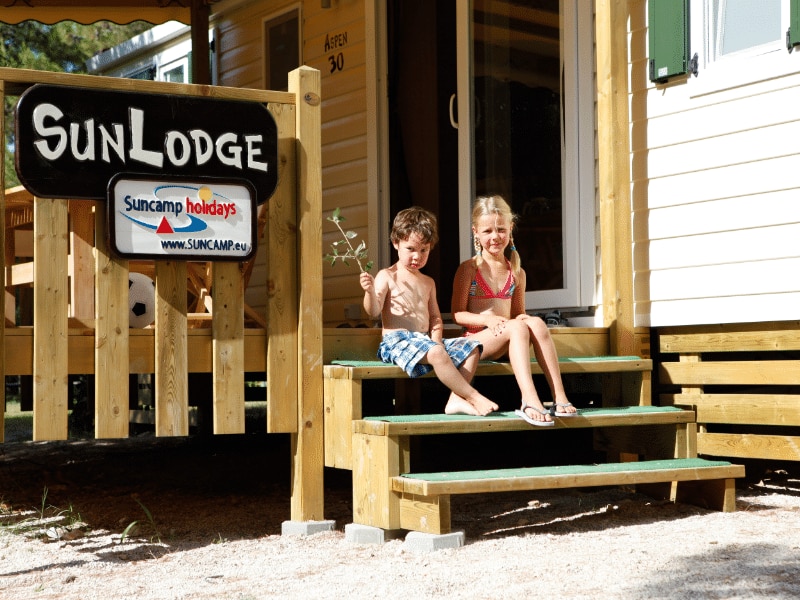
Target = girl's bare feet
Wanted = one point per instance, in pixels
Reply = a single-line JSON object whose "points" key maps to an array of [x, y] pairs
{"points": [[563, 407], [536, 411]]}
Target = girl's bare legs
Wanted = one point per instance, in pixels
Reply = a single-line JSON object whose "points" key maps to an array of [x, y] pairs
{"points": [[465, 399], [513, 338], [545, 351]]}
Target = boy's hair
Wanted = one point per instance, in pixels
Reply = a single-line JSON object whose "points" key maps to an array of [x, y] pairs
{"points": [[415, 220]]}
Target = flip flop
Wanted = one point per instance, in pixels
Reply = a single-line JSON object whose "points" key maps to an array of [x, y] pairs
{"points": [[555, 413], [520, 412]]}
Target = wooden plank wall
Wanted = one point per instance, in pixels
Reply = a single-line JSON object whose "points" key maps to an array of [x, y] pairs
{"points": [[743, 381]]}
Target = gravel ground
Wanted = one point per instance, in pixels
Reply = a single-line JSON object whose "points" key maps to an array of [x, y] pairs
{"points": [[208, 516]]}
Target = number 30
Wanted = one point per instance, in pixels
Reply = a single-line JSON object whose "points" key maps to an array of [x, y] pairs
{"points": [[337, 62]]}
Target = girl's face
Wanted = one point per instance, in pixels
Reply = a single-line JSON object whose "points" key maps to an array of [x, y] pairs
{"points": [[412, 253], [493, 233]]}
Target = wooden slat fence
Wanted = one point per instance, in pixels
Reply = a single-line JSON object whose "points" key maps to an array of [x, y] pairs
{"points": [[80, 306]]}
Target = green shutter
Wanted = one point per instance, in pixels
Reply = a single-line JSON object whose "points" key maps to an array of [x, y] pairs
{"points": [[793, 35], [190, 74], [668, 33]]}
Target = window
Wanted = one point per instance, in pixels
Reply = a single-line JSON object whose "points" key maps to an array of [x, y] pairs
{"points": [[740, 42], [281, 49], [148, 74], [744, 26], [176, 71]]}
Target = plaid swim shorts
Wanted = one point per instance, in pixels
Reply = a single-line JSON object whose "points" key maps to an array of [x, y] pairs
{"points": [[406, 348]]}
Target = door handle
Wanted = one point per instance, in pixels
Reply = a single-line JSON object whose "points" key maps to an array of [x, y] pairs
{"points": [[453, 121]]}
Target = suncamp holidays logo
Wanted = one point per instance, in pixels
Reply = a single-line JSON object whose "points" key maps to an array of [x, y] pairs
{"points": [[178, 209]]}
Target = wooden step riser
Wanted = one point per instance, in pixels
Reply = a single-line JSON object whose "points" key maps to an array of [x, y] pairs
{"points": [[432, 513]]}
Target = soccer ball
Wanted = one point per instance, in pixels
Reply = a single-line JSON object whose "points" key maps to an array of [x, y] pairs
{"points": [[141, 300]]}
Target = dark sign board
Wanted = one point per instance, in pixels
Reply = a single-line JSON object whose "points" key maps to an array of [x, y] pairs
{"points": [[71, 141]]}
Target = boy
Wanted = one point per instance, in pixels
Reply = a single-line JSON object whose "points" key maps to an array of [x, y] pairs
{"points": [[412, 324]]}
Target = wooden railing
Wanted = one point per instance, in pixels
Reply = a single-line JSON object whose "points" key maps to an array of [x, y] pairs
{"points": [[80, 300]]}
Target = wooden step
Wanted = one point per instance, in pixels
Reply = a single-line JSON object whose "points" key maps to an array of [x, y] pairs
{"points": [[375, 369], [425, 501], [433, 424]]}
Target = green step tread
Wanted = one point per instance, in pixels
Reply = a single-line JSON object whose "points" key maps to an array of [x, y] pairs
{"points": [[650, 465], [585, 412], [575, 359]]}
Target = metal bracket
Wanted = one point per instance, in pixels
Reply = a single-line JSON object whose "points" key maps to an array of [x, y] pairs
{"points": [[693, 64]]}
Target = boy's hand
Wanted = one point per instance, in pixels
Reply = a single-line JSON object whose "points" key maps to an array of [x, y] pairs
{"points": [[367, 282]]}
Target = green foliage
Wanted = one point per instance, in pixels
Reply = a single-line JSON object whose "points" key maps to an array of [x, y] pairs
{"points": [[63, 47], [357, 253], [133, 526]]}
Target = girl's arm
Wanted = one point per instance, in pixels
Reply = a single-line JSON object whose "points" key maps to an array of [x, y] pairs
{"points": [[459, 303], [518, 299]]}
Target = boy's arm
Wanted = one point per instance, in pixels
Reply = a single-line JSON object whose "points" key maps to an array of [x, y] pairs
{"points": [[375, 289]]}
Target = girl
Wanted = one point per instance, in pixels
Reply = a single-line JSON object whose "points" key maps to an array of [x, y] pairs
{"points": [[489, 302]]}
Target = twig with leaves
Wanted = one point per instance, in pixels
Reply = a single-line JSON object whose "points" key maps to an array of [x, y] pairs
{"points": [[358, 253]]}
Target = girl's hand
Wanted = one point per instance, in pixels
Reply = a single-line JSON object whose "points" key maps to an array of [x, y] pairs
{"points": [[367, 282], [496, 325]]}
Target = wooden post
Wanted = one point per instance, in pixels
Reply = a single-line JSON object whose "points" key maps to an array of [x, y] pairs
{"points": [[171, 368], [201, 66], [227, 327], [3, 264], [111, 346], [50, 334], [283, 281], [614, 172], [81, 238], [307, 443]]}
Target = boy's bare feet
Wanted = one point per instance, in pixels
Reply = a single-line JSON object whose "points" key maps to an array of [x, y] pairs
{"points": [[456, 405]]}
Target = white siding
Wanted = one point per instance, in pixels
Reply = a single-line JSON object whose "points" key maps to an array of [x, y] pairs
{"points": [[716, 196]]}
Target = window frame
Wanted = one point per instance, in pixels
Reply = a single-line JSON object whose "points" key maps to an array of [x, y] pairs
{"points": [[275, 19], [745, 67]]}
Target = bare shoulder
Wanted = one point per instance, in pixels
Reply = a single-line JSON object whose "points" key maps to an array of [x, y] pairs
{"points": [[468, 267]]}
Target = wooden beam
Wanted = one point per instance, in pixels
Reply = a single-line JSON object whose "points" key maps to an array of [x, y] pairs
{"points": [[614, 176], [201, 66], [4, 263], [50, 297], [307, 444]]}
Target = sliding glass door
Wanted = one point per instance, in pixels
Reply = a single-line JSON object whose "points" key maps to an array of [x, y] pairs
{"points": [[525, 91]]}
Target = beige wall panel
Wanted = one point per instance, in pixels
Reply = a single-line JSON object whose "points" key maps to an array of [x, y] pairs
{"points": [[344, 129], [344, 151], [347, 197], [344, 104], [344, 110], [345, 174]]}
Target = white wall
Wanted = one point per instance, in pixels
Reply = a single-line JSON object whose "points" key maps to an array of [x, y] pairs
{"points": [[716, 190]]}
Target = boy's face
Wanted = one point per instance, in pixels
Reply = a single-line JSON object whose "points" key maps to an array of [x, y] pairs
{"points": [[413, 252]]}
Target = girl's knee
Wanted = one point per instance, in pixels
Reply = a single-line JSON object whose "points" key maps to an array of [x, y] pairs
{"points": [[517, 328], [538, 327]]}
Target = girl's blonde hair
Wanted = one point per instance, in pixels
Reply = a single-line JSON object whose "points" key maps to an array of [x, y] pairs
{"points": [[496, 205]]}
